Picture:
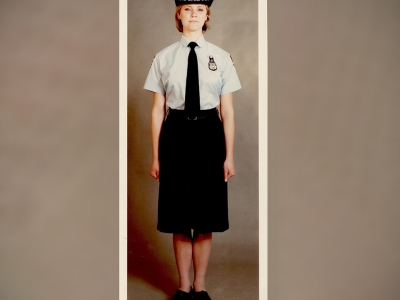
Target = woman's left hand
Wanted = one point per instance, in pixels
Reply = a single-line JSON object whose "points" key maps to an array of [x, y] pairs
{"points": [[229, 169]]}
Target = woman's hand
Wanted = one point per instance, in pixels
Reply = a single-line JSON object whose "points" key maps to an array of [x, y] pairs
{"points": [[227, 117], [155, 170], [157, 118], [229, 169]]}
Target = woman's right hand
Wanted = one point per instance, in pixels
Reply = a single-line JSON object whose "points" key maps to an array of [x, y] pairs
{"points": [[155, 170], [157, 118]]}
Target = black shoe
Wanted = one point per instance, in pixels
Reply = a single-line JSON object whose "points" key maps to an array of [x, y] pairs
{"points": [[203, 295], [181, 295]]}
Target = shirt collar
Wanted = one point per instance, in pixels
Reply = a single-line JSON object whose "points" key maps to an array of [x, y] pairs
{"points": [[185, 41]]}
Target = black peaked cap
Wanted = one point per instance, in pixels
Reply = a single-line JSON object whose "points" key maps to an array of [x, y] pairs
{"points": [[206, 2]]}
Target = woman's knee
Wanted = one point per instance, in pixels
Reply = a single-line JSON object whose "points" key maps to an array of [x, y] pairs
{"points": [[182, 236], [202, 235]]}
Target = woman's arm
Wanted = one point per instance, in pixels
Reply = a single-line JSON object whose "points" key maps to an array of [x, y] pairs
{"points": [[157, 118], [227, 117]]}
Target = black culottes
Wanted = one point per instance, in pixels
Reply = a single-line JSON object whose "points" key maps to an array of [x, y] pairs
{"points": [[193, 193]]}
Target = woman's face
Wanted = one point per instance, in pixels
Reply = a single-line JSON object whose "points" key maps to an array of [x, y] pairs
{"points": [[193, 16]]}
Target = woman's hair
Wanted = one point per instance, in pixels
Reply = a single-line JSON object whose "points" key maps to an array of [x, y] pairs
{"points": [[178, 22]]}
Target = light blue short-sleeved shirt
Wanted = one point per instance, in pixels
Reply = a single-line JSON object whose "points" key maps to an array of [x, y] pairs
{"points": [[217, 74]]}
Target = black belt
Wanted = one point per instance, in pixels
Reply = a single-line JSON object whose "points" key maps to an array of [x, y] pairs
{"points": [[192, 116]]}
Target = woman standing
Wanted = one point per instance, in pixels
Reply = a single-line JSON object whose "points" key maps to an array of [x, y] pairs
{"points": [[192, 146]]}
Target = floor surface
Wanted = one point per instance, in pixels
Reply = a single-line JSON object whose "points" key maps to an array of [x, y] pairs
{"points": [[224, 281]]}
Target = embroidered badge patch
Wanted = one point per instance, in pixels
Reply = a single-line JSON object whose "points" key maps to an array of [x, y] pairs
{"points": [[211, 64]]}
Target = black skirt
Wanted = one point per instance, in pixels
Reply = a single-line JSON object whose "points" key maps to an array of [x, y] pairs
{"points": [[193, 193]]}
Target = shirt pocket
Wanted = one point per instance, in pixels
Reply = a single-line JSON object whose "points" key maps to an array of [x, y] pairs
{"points": [[210, 81]]}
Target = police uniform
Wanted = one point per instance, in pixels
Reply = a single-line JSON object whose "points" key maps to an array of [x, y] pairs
{"points": [[192, 192]]}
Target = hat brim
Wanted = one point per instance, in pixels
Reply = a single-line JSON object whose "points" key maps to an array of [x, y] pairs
{"points": [[180, 2]]}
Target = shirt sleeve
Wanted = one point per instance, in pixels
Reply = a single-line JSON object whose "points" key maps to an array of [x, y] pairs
{"points": [[230, 79], [153, 82]]}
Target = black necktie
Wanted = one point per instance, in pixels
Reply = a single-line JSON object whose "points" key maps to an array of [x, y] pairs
{"points": [[192, 96]]}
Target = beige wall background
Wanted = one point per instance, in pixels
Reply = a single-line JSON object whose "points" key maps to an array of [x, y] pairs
{"points": [[151, 27], [59, 150], [334, 166]]}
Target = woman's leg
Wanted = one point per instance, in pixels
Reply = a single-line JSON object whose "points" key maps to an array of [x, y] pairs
{"points": [[201, 255], [183, 257]]}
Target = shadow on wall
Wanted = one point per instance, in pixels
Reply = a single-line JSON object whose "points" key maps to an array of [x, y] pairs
{"points": [[148, 257]]}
